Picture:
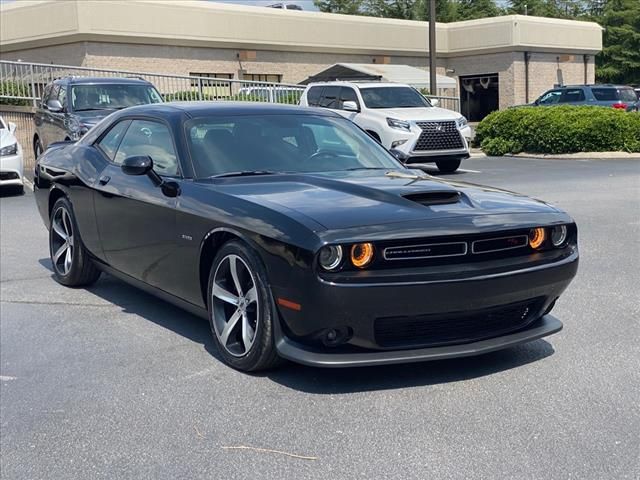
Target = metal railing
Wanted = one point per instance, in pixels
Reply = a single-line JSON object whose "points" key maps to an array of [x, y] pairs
{"points": [[23, 83]]}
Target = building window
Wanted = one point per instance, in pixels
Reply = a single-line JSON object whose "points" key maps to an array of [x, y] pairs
{"points": [[209, 83], [261, 77]]}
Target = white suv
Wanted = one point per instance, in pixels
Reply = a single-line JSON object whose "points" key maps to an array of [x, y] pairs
{"points": [[400, 118]]}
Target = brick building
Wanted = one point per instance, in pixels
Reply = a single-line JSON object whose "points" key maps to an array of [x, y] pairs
{"points": [[497, 62]]}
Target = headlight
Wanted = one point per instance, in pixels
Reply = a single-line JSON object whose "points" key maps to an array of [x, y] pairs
{"points": [[537, 237], [399, 124], [559, 235], [9, 150], [361, 254], [72, 124], [330, 257], [462, 122]]}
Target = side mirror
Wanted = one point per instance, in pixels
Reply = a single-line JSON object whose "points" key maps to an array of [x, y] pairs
{"points": [[400, 155], [434, 102], [12, 127], [139, 165], [350, 106], [54, 105]]}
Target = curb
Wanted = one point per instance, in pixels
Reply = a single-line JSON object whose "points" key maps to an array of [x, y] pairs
{"points": [[579, 156]]}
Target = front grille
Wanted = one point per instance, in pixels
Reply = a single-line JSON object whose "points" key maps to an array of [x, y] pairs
{"points": [[429, 250], [457, 327], [439, 136]]}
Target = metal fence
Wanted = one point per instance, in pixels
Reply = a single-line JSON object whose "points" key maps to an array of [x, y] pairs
{"points": [[23, 83]]}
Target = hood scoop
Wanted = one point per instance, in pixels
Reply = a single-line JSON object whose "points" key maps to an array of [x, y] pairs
{"points": [[434, 197]]}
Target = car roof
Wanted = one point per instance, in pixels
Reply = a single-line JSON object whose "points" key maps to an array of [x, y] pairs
{"points": [[358, 84], [102, 80], [596, 85], [199, 109]]}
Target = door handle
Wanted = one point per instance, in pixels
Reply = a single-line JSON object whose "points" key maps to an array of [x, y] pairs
{"points": [[104, 179]]}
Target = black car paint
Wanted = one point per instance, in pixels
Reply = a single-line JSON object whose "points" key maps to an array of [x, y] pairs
{"points": [[165, 244]]}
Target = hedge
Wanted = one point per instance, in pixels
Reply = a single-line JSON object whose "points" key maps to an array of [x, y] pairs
{"points": [[566, 129], [291, 98], [19, 89]]}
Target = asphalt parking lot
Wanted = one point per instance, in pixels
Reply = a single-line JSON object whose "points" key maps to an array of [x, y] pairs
{"points": [[111, 383]]}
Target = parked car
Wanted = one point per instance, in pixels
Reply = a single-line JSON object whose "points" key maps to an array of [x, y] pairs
{"points": [[399, 117], [11, 162], [71, 106], [299, 236], [616, 96], [637, 90]]}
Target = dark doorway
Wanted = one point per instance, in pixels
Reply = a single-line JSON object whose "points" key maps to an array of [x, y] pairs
{"points": [[479, 95]]}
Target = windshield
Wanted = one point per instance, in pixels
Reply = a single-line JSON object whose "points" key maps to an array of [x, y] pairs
{"points": [[393, 97], [111, 96], [281, 143]]}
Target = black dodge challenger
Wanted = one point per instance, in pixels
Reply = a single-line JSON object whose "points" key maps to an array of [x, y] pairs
{"points": [[300, 237]]}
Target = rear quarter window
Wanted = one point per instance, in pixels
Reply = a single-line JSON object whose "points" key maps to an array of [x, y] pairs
{"points": [[605, 94], [313, 96]]}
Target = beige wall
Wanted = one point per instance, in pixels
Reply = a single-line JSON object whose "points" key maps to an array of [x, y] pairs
{"points": [[293, 66]]}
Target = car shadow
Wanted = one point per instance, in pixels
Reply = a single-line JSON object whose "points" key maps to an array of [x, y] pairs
{"points": [[322, 381], [133, 300], [329, 381]]}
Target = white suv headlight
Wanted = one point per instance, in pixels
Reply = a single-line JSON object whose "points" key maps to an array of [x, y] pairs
{"points": [[399, 124], [462, 122]]}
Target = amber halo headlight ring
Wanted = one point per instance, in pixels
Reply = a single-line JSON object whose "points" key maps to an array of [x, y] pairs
{"points": [[330, 257], [362, 254], [558, 235], [537, 236]]}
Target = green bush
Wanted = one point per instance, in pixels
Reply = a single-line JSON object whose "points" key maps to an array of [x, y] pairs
{"points": [[291, 98], [565, 129], [18, 89]]}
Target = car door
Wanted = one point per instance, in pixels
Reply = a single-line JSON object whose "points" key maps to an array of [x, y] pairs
{"points": [[552, 97], [572, 96], [136, 219], [41, 118], [55, 126]]}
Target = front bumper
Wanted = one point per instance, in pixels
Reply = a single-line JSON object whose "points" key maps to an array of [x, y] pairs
{"points": [[411, 140], [11, 170], [547, 325], [359, 307]]}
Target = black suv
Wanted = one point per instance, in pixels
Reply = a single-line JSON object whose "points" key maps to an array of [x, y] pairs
{"points": [[71, 106]]}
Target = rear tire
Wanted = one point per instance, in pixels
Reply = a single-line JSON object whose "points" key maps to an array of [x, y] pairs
{"points": [[71, 263], [241, 310], [449, 165]]}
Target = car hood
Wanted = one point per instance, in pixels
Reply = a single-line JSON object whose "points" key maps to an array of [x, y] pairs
{"points": [[427, 113], [349, 199], [6, 138], [92, 117]]}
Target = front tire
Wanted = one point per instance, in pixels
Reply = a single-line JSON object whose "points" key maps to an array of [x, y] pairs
{"points": [[37, 148], [241, 311], [71, 263], [449, 165]]}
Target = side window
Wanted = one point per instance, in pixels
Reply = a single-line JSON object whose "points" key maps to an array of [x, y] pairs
{"points": [[329, 98], [62, 97], [573, 95], [348, 95], [47, 94], [550, 98], [153, 139], [313, 96], [110, 142]]}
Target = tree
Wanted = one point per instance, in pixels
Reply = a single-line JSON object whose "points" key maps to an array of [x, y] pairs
{"points": [[445, 10], [348, 7], [619, 61], [472, 9]]}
